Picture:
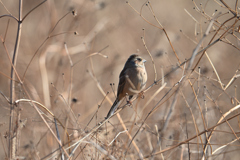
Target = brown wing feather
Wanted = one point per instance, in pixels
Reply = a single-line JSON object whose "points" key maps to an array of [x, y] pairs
{"points": [[122, 81]]}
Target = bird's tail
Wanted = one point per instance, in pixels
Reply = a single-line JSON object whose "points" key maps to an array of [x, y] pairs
{"points": [[113, 108]]}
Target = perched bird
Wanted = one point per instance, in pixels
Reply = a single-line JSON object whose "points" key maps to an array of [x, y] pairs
{"points": [[132, 80]]}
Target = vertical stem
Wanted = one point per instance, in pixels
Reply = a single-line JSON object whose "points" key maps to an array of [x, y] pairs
{"points": [[12, 85]]}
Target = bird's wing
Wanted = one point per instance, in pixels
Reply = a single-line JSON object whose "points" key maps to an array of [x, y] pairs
{"points": [[122, 81]]}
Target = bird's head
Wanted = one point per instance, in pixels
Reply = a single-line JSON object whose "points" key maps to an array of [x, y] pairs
{"points": [[135, 60]]}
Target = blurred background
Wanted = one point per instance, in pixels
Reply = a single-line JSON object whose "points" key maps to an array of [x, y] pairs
{"points": [[67, 63]]}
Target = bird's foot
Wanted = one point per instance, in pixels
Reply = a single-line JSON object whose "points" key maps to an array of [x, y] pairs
{"points": [[129, 103], [141, 94]]}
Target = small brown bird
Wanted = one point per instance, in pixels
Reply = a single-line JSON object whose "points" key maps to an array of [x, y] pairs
{"points": [[132, 80]]}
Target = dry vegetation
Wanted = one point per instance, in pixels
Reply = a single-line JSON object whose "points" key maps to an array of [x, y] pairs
{"points": [[58, 59]]}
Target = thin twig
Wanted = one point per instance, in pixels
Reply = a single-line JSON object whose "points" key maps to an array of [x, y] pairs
{"points": [[71, 74], [58, 136], [154, 67], [7, 15], [12, 84], [33, 9]]}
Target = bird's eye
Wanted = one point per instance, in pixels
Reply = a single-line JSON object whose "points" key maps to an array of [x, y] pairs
{"points": [[139, 59]]}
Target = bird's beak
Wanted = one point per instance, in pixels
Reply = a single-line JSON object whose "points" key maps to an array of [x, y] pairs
{"points": [[144, 60]]}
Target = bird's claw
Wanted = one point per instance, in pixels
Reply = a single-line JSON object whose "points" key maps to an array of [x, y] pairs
{"points": [[141, 94], [129, 103]]}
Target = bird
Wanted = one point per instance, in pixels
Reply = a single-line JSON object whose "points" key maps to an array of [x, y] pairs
{"points": [[132, 80]]}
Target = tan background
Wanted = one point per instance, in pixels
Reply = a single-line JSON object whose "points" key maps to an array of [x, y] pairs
{"points": [[115, 25]]}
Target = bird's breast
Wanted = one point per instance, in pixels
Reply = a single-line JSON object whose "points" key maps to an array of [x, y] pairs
{"points": [[138, 77]]}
